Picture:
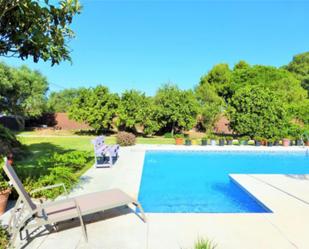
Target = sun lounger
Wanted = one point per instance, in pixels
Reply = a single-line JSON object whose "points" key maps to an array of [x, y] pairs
{"points": [[28, 214]]}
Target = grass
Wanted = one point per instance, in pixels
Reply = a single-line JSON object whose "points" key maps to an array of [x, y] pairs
{"points": [[84, 142], [204, 244], [41, 147]]}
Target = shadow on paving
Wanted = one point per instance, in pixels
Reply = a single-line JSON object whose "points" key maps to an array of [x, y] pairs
{"points": [[74, 223], [298, 177]]}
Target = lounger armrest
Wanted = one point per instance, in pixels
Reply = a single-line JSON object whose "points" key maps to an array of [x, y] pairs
{"points": [[51, 187]]}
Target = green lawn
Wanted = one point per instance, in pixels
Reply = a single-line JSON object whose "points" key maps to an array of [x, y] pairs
{"points": [[41, 147], [84, 142]]}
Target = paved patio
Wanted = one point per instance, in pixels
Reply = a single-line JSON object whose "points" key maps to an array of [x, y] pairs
{"points": [[286, 195]]}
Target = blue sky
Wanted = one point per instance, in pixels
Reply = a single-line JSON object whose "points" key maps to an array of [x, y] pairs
{"points": [[144, 44]]}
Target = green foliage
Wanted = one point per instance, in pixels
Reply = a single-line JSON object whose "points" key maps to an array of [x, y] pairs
{"points": [[284, 83], [168, 135], [219, 77], [4, 185], [179, 136], [256, 111], [125, 139], [131, 108], [73, 159], [229, 138], [176, 109], [22, 91], [62, 100], [137, 109], [294, 131], [245, 138], [300, 111], [4, 237], [204, 244], [258, 138], [8, 141], [57, 174], [95, 106], [211, 105], [37, 29], [300, 67], [54, 168], [151, 121], [212, 137]]}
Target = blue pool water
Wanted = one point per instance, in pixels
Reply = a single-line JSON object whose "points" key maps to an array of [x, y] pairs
{"points": [[198, 182]]}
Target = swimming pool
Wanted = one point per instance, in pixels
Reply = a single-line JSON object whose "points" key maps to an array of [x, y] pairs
{"points": [[199, 182]]}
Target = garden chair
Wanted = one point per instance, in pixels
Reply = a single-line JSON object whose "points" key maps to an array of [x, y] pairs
{"points": [[104, 155], [27, 214]]}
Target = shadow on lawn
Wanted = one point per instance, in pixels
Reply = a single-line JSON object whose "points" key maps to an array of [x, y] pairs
{"points": [[31, 165]]}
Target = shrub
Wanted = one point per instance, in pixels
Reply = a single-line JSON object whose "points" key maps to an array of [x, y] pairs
{"points": [[179, 136], [53, 169], [125, 138], [73, 159], [212, 137], [204, 244], [57, 175], [245, 138], [4, 237], [168, 135], [258, 138], [229, 138]]}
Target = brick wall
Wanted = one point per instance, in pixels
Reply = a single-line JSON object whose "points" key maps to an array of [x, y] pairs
{"points": [[64, 123]]}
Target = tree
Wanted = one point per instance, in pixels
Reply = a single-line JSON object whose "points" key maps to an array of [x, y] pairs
{"points": [[276, 79], [151, 121], [37, 29], [62, 100], [22, 91], [219, 77], [257, 111], [300, 67], [211, 105], [95, 106], [177, 109], [137, 109], [131, 111]]}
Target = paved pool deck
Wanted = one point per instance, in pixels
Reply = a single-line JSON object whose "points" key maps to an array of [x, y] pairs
{"points": [[286, 227]]}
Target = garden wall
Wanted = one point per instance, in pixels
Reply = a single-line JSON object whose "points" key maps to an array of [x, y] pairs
{"points": [[64, 123]]}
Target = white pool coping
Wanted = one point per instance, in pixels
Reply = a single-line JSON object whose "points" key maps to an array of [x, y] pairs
{"points": [[285, 227]]}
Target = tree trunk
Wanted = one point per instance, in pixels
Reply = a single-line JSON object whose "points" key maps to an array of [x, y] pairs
{"points": [[173, 127]]}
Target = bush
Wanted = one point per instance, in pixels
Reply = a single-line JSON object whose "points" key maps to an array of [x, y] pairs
{"points": [[179, 136], [4, 237], [204, 244], [125, 138], [258, 138], [245, 138], [168, 135], [57, 175], [229, 138], [53, 169], [74, 159]]}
